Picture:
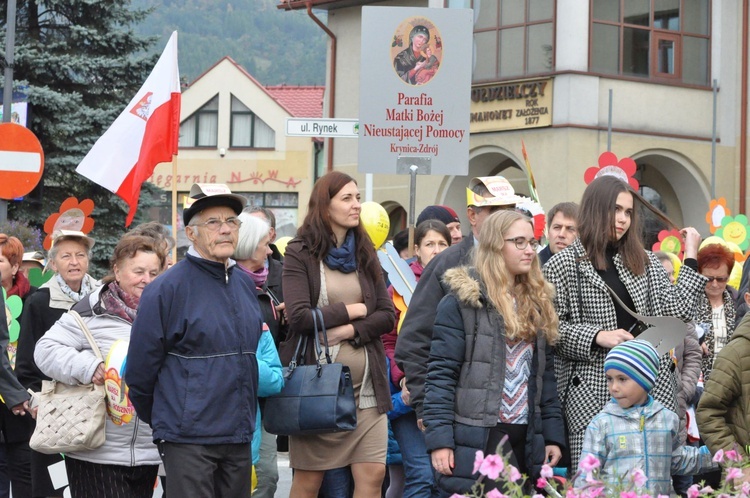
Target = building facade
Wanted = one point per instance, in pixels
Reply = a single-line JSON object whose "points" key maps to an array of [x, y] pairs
{"points": [[543, 72], [233, 131]]}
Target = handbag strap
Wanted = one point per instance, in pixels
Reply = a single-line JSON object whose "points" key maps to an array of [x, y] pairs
{"points": [[322, 328], [87, 333]]}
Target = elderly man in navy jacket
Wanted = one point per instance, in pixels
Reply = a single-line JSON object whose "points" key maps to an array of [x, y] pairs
{"points": [[191, 365]]}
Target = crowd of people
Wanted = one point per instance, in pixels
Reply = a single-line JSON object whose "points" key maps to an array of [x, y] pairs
{"points": [[505, 347]]}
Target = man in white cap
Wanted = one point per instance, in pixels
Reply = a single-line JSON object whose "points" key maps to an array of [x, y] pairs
{"points": [[192, 371], [484, 196]]}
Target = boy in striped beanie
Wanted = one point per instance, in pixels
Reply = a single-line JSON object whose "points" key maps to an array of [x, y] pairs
{"points": [[634, 433]]}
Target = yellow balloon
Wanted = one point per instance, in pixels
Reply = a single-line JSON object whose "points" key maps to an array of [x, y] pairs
{"points": [[676, 263], [375, 221], [713, 240], [735, 276], [281, 243]]}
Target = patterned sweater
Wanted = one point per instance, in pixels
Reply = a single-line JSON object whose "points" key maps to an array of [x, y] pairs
{"points": [[642, 437]]}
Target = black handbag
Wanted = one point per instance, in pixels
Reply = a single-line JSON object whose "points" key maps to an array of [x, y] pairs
{"points": [[316, 399]]}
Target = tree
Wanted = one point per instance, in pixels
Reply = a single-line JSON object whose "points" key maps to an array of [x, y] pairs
{"points": [[79, 63]]}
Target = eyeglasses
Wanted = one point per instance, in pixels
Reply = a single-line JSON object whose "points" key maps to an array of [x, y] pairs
{"points": [[721, 280], [522, 242], [214, 224]]}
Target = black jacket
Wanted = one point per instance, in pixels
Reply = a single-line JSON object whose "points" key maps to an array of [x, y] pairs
{"points": [[465, 380], [413, 346]]}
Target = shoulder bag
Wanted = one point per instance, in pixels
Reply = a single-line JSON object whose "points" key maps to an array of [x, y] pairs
{"points": [[70, 418], [316, 399]]}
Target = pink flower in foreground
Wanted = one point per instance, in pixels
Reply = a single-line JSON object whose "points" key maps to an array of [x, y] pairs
{"points": [[491, 467], [493, 493], [707, 489], [513, 474], [732, 455], [589, 463], [456, 495], [733, 473], [693, 491], [541, 483], [537, 496], [628, 494], [478, 459], [746, 488], [595, 492], [662, 496], [639, 477], [547, 472], [719, 456]]}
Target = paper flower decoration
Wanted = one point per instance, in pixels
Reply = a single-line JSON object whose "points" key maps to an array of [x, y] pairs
{"points": [[624, 169], [670, 241], [534, 210], [735, 230], [717, 210], [71, 216], [37, 277], [13, 308]]}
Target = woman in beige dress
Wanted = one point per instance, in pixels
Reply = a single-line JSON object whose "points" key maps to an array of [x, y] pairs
{"points": [[332, 265]]}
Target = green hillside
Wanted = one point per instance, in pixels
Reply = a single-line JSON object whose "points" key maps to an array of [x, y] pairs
{"points": [[274, 46]]}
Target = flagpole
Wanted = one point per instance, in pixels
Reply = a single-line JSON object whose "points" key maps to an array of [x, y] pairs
{"points": [[174, 207]]}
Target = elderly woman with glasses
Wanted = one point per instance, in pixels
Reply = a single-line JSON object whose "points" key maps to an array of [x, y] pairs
{"points": [[69, 259], [491, 347], [716, 314]]}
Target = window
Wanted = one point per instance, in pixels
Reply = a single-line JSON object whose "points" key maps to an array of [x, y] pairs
{"points": [[284, 206], [657, 39], [248, 130], [201, 129], [512, 38]]}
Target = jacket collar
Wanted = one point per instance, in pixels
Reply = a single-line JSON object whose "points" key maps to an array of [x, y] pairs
{"points": [[214, 268], [58, 299], [649, 408]]}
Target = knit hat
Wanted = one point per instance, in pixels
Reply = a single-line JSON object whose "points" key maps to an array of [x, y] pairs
{"points": [[637, 359], [440, 213]]}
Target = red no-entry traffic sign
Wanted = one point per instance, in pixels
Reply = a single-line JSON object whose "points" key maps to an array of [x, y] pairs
{"points": [[21, 161]]}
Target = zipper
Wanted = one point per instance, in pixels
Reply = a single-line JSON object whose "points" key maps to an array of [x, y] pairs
{"points": [[642, 424], [132, 442]]}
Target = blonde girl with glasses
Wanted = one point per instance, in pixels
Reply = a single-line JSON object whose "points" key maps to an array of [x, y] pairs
{"points": [[490, 377]]}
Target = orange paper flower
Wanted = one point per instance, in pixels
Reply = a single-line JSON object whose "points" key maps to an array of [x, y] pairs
{"points": [[717, 210], [71, 216]]}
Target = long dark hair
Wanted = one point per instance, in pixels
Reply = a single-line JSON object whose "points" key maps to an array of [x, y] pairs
{"points": [[596, 224], [316, 230]]}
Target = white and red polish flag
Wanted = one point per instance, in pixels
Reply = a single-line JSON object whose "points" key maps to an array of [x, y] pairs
{"points": [[143, 135]]}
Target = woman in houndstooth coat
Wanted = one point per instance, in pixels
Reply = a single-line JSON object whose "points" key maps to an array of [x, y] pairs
{"points": [[609, 252]]}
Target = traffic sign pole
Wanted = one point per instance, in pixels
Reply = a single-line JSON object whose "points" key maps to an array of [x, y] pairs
{"points": [[10, 42]]}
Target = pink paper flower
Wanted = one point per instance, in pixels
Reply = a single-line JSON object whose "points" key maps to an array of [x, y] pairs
{"points": [[639, 477], [491, 467], [589, 463], [719, 456], [733, 473], [547, 472], [513, 474], [541, 483], [478, 459]]}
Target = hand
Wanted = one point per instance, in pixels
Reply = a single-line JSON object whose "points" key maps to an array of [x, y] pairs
{"points": [[611, 338], [20, 408], [34, 411], [442, 461], [704, 348], [98, 377], [553, 453], [356, 311], [692, 241], [420, 424], [338, 334], [405, 397]]}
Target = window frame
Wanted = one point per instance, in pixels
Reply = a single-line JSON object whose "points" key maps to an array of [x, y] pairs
{"points": [[655, 34], [498, 28], [197, 114], [253, 116]]}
